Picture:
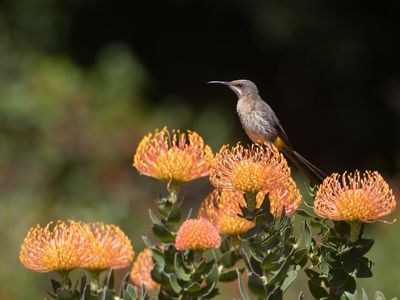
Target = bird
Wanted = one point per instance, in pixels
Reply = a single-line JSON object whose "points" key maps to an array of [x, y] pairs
{"points": [[262, 125]]}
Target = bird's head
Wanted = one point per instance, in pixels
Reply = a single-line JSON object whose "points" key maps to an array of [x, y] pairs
{"points": [[241, 88]]}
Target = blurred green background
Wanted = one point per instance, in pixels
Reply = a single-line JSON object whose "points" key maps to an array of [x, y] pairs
{"points": [[82, 81]]}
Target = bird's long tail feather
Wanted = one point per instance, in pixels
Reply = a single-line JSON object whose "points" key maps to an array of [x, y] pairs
{"points": [[315, 175]]}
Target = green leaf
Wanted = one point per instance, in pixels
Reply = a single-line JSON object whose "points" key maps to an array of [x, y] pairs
{"points": [[174, 283], [348, 296], [299, 255], [226, 244], [212, 275], [130, 293], [169, 256], [337, 278], [364, 295], [364, 245], [305, 237], [301, 296], [55, 285], [364, 270], [268, 243], [206, 292], [305, 214], [180, 269], [379, 296], [158, 256], [146, 241], [281, 273], [156, 273], [290, 278], [242, 288], [65, 294], [193, 287], [276, 294], [154, 218], [317, 291], [204, 267], [163, 233], [229, 276], [174, 215], [350, 263], [256, 285], [228, 259], [251, 232]]}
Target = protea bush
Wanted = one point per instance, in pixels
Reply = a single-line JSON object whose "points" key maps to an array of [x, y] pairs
{"points": [[243, 232]]}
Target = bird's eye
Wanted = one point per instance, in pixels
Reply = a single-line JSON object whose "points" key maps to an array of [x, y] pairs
{"points": [[240, 85]]}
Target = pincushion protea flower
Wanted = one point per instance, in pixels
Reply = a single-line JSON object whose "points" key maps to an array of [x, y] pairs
{"points": [[176, 157], [57, 247], [112, 247], [352, 197], [141, 271], [254, 169], [287, 195], [222, 209], [197, 234]]}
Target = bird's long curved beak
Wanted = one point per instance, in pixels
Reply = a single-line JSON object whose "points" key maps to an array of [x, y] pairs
{"points": [[227, 83]]}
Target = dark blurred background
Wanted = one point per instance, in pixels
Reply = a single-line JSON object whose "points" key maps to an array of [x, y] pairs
{"points": [[82, 81]]}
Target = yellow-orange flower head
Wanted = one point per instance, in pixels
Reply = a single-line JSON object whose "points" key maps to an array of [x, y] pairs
{"points": [[197, 234], [253, 169], [112, 247], [352, 197], [174, 157], [57, 247], [287, 195], [222, 209], [141, 271]]}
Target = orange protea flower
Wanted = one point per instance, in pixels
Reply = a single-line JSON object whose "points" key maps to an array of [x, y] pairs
{"points": [[57, 247], [352, 197], [178, 157], [222, 209], [141, 271], [287, 195], [112, 247], [197, 234], [252, 169]]}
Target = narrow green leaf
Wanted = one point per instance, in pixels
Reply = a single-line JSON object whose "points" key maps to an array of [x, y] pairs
{"points": [[379, 296], [65, 294], [348, 296], [364, 295], [256, 285], [251, 232], [158, 256], [276, 294], [193, 287], [174, 283], [174, 215], [305, 214], [317, 291], [290, 278], [153, 217], [147, 241], [206, 292], [364, 270], [180, 269], [130, 293], [301, 296], [243, 290], [228, 276], [163, 234], [55, 285]]}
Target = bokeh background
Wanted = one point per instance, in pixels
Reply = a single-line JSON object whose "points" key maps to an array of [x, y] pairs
{"points": [[82, 81]]}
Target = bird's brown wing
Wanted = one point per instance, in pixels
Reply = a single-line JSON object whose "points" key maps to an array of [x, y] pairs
{"points": [[281, 133]]}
